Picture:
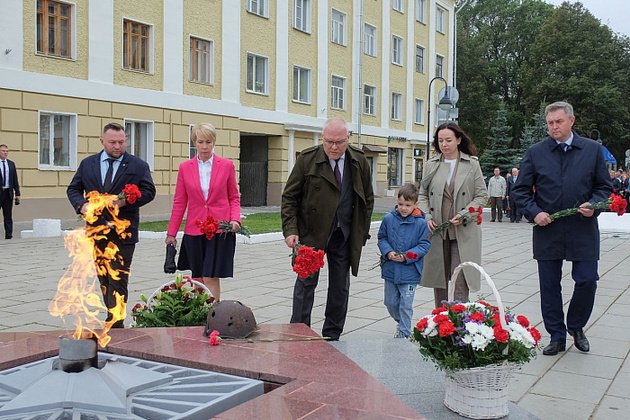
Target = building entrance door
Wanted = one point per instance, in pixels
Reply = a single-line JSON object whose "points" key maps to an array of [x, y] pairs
{"points": [[254, 170]]}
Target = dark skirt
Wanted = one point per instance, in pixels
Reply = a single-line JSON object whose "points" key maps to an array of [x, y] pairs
{"points": [[208, 258]]}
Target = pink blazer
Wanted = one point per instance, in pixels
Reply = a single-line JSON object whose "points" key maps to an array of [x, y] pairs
{"points": [[223, 201]]}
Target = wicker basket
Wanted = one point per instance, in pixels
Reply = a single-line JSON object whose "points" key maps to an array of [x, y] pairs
{"points": [[481, 392]]}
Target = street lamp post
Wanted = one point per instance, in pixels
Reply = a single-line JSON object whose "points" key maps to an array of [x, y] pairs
{"points": [[445, 104]]}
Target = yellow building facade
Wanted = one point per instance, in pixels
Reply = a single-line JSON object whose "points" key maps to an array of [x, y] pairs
{"points": [[266, 73]]}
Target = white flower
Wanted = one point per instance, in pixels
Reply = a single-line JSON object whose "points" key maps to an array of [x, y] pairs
{"points": [[432, 328], [478, 335], [520, 334], [474, 305]]}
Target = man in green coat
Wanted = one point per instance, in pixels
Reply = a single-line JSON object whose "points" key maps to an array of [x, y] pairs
{"points": [[327, 204]]}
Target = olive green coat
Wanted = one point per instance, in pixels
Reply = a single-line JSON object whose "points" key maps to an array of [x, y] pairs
{"points": [[310, 197], [469, 191]]}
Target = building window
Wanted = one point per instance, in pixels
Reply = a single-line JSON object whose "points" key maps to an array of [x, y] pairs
{"points": [[369, 40], [396, 106], [257, 7], [419, 111], [397, 50], [419, 59], [398, 5], [394, 167], [201, 60], [136, 44], [140, 140], [369, 100], [421, 10], [257, 70], [338, 35], [57, 141], [192, 148], [337, 92], [439, 66], [302, 15], [54, 28], [439, 20], [301, 85]]}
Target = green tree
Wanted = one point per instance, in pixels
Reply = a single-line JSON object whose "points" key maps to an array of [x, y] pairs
{"points": [[499, 151]]}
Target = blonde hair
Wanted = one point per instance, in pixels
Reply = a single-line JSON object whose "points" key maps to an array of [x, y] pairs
{"points": [[205, 130]]}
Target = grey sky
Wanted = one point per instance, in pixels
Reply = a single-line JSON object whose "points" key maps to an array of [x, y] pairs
{"points": [[614, 13]]}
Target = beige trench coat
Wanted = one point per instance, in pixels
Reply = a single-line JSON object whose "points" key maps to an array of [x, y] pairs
{"points": [[469, 191]]}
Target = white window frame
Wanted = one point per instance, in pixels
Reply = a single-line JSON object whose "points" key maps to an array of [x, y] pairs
{"points": [[421, 11], [192, 149], [338, 28], [439, 65], [210, 64], [369, 100], [72, 141], [302, 20], [256, 57], [338, 93], [258, 7], [419, 111], [397, 51], [299, 96], [396, 114], [399, 157], [424, 53], [398, 5], [439, 20], [131, 140], [370, 39]]}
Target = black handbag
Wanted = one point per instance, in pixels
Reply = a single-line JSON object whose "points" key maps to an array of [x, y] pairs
{"points": [[169, 261]]}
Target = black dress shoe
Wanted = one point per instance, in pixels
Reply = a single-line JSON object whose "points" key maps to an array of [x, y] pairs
{"points": [[8, 237], [553, 348], [580, 340]]}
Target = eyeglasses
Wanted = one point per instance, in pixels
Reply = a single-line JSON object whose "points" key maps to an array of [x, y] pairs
{"points": [[337, 143]]}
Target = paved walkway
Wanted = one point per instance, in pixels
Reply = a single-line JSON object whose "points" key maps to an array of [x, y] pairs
{"points": [[572, 385]]}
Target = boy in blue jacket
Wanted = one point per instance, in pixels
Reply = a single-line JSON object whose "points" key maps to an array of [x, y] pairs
{"points": [[403, 239]]}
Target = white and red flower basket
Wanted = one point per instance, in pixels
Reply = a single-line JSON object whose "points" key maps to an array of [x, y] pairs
{"points": [[480, 392]]}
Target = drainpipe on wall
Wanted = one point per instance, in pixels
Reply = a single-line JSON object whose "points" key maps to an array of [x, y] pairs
{"points": [[170, 161], [360, 78]]}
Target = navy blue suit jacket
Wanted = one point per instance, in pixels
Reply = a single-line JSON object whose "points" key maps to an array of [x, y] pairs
{"points": [[14, 185], [551, 180], [131, 170]]}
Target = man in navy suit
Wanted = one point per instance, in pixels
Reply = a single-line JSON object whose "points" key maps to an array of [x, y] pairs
{"points": [[108, 172], [8, 185], [556, 173]]}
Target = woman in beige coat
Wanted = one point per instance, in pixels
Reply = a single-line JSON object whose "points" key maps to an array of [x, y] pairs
{"points": [[452, 182]]}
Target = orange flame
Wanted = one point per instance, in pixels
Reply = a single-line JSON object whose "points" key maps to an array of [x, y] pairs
{"points": [[78, 294]]}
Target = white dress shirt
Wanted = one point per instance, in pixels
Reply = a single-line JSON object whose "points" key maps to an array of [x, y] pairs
{"points": [[205, 172]]}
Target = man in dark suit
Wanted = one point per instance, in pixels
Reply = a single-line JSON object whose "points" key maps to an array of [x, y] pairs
{"points": [[565, 169], [10, 185], [108, 172], [515, 213], [327, 204]]}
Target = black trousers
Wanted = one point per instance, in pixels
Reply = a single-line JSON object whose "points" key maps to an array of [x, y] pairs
{"points": [[109, 284], [585, 276], [7, 211], [338, 259]]}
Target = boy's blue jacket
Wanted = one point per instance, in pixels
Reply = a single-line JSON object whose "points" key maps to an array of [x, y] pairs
{"points": [[398, 234]]}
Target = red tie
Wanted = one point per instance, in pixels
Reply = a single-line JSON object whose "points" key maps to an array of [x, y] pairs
{"points": [[337, 173]]}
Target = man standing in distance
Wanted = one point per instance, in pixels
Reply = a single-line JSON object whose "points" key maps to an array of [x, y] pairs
{"points": [[327, 204], [565, 169], [108, 172], [8, 184], [515, 213], [496, 191]]}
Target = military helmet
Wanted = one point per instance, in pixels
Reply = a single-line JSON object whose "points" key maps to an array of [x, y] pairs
{"points": [[231, 318]]}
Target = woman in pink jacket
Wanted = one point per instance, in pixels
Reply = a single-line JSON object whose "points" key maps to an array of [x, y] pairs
{"points": [[206, 185]]}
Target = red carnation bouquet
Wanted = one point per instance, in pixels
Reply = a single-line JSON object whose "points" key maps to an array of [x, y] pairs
{"points": [[211, 226], [306, 260], [614, 203], [130, 193], [466, 218]]}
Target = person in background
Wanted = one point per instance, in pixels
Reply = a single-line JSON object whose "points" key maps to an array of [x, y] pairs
{"points": [[565, 169], [327, 204], [497, 189], [108, 172], [452, 182], [403, 239], [515, 213], [10, 186], [206, 185]]}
